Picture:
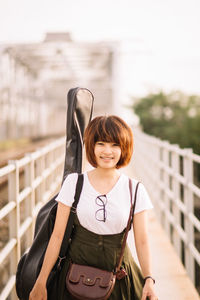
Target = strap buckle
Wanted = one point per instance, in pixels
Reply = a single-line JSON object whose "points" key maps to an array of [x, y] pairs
{"points": [[120, 274], [60, 259], [73, 210]]}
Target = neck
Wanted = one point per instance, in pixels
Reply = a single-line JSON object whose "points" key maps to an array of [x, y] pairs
{"points": [[106, 173]]}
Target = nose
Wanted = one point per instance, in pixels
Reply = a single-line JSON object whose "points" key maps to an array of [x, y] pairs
{"points": [[107, 149]]}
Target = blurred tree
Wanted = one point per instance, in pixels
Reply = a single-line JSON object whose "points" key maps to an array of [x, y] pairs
{"points": [[174, 117]]}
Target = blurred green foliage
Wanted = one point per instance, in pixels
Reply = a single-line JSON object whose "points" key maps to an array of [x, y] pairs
{"points": [[174, 117]]}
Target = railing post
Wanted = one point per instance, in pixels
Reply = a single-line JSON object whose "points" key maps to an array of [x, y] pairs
{"points": [[156, 179], [14, 219], [48, 166], [40, 167], [50, 163], [160, 189], [166, 185], [29, 201], [189, 201], [176, 193]]}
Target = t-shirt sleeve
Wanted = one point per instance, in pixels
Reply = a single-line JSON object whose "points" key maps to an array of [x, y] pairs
{"points": [[143, 201], [67, 191]]}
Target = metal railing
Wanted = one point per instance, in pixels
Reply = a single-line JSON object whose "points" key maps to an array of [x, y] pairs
{"points": [[27, 183], [169, 173], [172, 177]]}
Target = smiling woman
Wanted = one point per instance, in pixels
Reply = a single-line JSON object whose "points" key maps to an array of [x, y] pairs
{"points": [[103, 211]]}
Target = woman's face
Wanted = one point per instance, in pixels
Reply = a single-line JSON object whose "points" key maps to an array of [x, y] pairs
{"points": [[107, 154]]}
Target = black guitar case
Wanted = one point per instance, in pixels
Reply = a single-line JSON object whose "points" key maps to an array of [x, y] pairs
{"points": [[79, 113]]}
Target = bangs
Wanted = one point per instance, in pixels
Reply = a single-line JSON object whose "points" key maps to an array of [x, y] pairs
{"points": [[106, 132]]}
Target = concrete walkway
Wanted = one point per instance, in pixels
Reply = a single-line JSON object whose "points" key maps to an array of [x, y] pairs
{"points": [[172, 282]]}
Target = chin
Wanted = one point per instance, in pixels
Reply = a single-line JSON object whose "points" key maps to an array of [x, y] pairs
{"points": [[107, 166]]}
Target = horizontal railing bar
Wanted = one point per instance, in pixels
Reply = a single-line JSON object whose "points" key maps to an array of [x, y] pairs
{"points": [[170, 217], [24, 161], [37, 181], [39, 153], [7, 170], [37, 207], [46, 173], [180, 205], [176, 201], [162, 144], [7, 209], [47, 196], [195, 157], [7, 249], [24, 226], [169, 170], [169, 193], [194, 189], [45, 150], [181, 233], [194, 221], [8, 288], [180, 179], [195, 253], [24, 193], [34, 155]]}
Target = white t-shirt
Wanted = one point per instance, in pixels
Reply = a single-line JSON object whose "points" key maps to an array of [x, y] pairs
{"points": [[117, 204]]}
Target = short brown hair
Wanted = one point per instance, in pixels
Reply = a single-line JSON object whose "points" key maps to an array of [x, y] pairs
{"points": [[109, 129]]}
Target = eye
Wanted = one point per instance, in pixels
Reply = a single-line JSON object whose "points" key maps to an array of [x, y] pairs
{"points": [[100, 143], [116, 145]]}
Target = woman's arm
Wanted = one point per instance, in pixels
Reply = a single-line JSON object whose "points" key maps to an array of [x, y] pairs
{"points": [[39, 290], [140, 227]]}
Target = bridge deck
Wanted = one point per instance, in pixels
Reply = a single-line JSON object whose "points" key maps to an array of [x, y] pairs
{"points": [[172, 280]]}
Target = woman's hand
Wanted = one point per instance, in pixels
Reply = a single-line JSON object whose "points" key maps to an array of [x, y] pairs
{"points": [[39, 292], [148, 291]]}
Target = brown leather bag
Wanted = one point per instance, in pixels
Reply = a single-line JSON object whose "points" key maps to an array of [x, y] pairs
{"points": [[84, 282], [90, 283]]}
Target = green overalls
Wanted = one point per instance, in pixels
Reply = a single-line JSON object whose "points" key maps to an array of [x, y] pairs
{"points": [[102, 251]]}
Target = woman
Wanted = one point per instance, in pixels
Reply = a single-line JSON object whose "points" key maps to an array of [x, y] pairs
{"points": [[102, 215]]}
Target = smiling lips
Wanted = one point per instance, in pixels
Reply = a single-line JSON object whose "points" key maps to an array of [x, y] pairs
{"points": [[106, 158]]}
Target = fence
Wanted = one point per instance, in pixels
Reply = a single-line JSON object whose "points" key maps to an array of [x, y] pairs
{"points": [[171, 175], [28, 184]]}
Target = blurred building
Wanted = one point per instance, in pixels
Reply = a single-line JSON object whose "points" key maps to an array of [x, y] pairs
{"points": [[35, 79]]}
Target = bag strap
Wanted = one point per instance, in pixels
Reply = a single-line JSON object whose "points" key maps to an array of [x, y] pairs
{"points": [[130, 220], [69, 227]]}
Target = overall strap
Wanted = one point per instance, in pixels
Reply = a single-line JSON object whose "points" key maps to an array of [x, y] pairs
{"points": [[130, 220], [70, 222]]}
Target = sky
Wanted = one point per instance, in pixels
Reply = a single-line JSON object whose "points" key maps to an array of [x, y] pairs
{"points": [[160, 38]]}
